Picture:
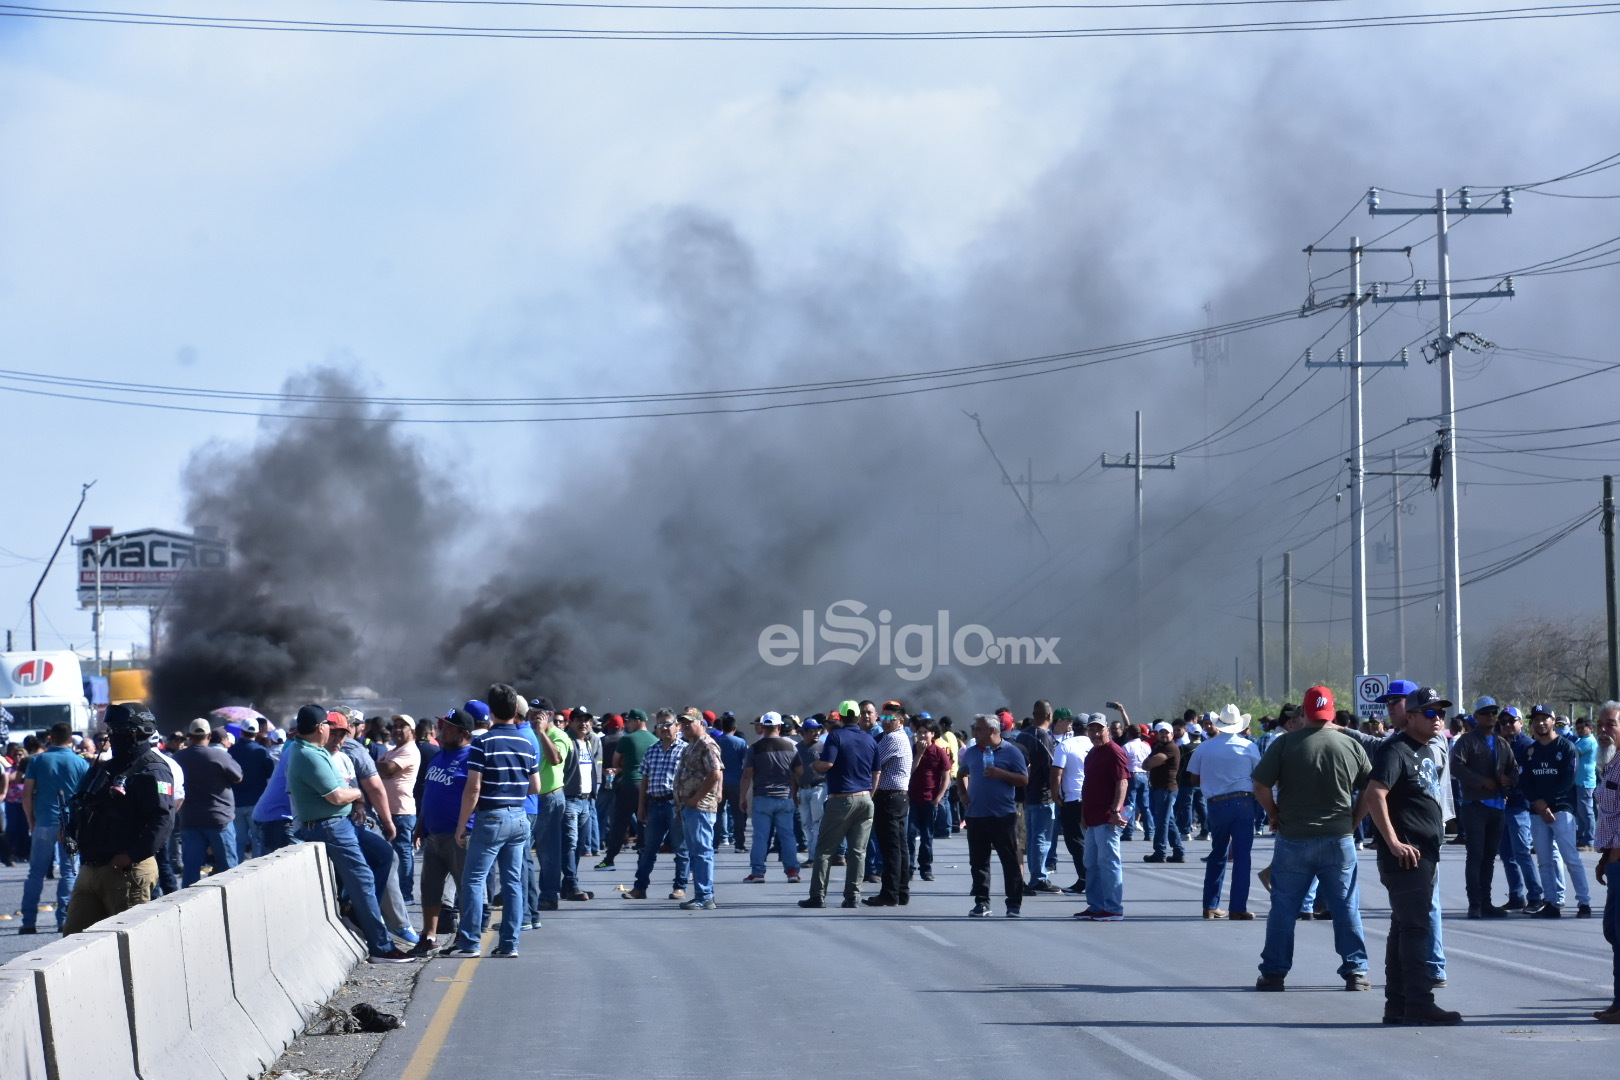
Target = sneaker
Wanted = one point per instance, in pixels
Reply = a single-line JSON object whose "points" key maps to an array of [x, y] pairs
{"points": [[1533, 907], [1153, 858], [1046, 887], [1107, 916], [406, 934], [1358, 981], [1015, 913], [980, 910], [1515, 903], [677, 894], [1304, 916], [812, 902], [755, 879], [458, 951], [740, 849], [533, 924], [636, 894], [606, 864], [392, 956], [1584, 911], [1202, 836], [693, 904], [927, 875], [1430, 1015], [503, 954], [793, 877], [1077, 889], [424, 948], [1549, 912], [1274, 983], [1322, 913]]}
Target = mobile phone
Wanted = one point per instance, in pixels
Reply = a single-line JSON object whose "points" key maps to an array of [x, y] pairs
{"points": [[1114, 705]]}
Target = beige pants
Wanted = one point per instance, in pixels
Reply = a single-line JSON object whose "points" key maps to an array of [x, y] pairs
{"points": [[102, 891]]}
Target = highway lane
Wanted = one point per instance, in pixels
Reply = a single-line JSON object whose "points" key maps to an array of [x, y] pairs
{"points": [[617, 988]]}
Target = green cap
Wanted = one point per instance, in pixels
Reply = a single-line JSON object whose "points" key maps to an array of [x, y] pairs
{"points": [[848, 708], [1062, 714], [636, 714]]}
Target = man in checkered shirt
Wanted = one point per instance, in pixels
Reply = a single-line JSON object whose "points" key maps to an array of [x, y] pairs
{"points": [[658, 813]]}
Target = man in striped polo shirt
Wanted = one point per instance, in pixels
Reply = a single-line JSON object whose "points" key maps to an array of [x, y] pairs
{"points": [[501, 770]]}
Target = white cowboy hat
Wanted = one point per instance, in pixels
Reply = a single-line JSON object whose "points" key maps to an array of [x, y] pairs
{"points": [[1233, 722]]}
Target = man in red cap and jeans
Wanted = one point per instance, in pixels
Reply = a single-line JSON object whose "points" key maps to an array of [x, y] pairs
{"points": [[1317, 771]]}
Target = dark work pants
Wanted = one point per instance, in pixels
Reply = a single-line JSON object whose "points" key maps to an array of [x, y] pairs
{"points": [[1407, 981], [626, 801], [890, 811], [1481, 827], [998, 834], [1074, 838]]}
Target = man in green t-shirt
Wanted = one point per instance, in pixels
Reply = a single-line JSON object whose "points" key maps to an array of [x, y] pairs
{"points": [[321, 802], [627, 756], [1317, 771]]}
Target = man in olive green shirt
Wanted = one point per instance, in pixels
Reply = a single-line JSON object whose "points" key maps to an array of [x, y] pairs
{"points": [[1317, 771], [626, 764]]}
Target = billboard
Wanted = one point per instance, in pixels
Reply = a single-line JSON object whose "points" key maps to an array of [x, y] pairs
{"points": [[137, 569]]}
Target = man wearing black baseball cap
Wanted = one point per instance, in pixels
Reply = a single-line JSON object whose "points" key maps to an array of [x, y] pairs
{"points": [[1485, 769]]}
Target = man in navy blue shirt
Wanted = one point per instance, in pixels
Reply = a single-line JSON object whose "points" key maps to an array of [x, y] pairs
{"points": [[733, 758], [848, 760], [257, 767], [992, 771], [1548, 781]]}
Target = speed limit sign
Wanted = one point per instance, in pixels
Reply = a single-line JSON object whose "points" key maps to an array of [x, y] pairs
{"points": [[1369, 688]]}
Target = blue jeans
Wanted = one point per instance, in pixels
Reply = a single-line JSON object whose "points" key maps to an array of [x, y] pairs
{"points": [[497, 841], [1138, 807], [1038, 821], [920, 835], [699, 828], [343, 849], [1611, 925], [729, 826], [1554, 842], [1105, 873], [548, 843], [576, 823], [812, 801], [405, 848], [246, 836], [768, 814], [1231, 822], [271, 836], [1295, 865], [531, 869], [1585, 816], [1437, 946], [194, 845], [661, 828], [1191, 808], [47, 841], [1518, 866], [17, 832], [1163, 803]]}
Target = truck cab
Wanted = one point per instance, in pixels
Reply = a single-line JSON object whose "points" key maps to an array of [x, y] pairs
{"points": [[43, 688]]}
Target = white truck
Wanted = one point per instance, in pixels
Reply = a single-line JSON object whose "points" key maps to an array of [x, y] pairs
{"points": [[39, 689]]}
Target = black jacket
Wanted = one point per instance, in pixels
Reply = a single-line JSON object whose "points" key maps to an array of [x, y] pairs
{"points": [[124, 807]]}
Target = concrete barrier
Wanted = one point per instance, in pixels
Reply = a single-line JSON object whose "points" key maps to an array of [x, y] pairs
{"points": [[210, 983], [21, 1045], [343, 936], [83, 1010]]}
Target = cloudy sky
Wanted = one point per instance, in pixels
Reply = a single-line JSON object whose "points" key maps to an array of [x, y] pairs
{"points": [[491, 218]]}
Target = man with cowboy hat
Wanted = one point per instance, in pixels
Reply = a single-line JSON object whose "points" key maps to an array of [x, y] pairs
{"points": [[1223, 768]]}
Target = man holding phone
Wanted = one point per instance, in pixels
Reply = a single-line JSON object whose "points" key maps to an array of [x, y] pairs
{"points": [[1403, 797]]}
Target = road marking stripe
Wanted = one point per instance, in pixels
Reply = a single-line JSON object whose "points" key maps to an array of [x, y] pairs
{"points": [[931, 936], [1529, 969], [1139, 1054], [426, 1054]]}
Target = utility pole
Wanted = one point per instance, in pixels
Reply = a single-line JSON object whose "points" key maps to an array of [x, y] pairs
{"points": [[1288, 625], [1358, 505], [1445, 346], [1260, 627], [1134, 461], [33, 597], [1608, 588], [1029, 483], [98, 546]]}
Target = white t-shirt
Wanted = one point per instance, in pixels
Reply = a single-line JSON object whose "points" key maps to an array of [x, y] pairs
{"points": [[1070, 756], [1137, 751], [179, 778]]}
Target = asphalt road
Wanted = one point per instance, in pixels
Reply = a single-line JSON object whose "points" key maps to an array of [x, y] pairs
{"points": [[616, 988]]}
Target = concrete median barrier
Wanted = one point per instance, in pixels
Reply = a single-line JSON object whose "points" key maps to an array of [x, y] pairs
{"points": [[310, 960], [83, 1009], [343, 936], [21, 1045], [250, 924]]}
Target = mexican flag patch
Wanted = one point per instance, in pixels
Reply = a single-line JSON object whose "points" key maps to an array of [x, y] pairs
{"points": [[165, 788]]}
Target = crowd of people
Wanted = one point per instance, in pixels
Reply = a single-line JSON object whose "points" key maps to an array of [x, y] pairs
{"points": [[502, 801]]}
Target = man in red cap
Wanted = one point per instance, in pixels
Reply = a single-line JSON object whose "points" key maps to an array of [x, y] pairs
{"points": [[1317, 772]]}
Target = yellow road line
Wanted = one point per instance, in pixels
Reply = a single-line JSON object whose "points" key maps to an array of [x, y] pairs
{"points": [[427, 1051]]}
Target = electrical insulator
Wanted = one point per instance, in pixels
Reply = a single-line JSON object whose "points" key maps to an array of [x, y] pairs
{"points": [[1507, 199], [1372, 199], [1462, 198]]}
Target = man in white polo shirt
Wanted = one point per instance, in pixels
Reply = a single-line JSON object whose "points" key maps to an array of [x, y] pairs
{"points": [[1223, 768], [1068, 779]]}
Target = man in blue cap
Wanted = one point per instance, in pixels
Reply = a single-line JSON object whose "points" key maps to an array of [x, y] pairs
{"points": [[1518, 865], [1485, 767]]}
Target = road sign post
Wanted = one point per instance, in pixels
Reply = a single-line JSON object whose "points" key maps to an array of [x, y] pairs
{"points": [[1369, 688]]}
